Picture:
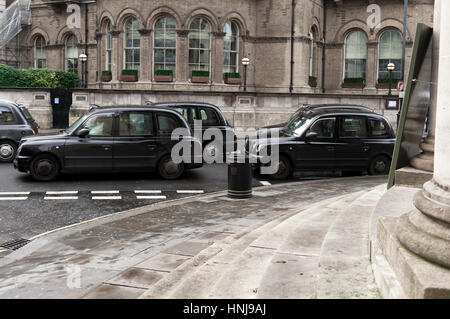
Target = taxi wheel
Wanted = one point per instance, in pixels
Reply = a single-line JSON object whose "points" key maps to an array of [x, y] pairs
{"points": [[380, 165], [44, 168], [167, 169], [7, 151], [284, 169]]}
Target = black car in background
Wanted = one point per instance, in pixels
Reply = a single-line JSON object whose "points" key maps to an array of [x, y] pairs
{"points": [[15, 123], [330, 138], [108, 140], [317, 107], [211, 117]]}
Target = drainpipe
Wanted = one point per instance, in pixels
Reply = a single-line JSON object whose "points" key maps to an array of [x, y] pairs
{"points": [[291, 86], [323, 44], [405, 19], [86, 30]]}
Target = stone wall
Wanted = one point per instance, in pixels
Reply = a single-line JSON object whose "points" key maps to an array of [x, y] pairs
{"points": [[244, 111]]}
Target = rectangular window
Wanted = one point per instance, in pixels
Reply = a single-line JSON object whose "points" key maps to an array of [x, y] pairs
{"points": [[100, 125], [136, 124], [209, 117], [6, 116], [378, 129], [166, 124], [324, 128], [352, 127]]}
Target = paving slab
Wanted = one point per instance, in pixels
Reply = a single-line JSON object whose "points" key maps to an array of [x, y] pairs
{"points": [[163, 262], [106, 291], [188, 248], [136, 278]]}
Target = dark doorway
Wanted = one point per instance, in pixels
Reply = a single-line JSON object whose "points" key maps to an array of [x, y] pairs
{"points": [[61, 100]]}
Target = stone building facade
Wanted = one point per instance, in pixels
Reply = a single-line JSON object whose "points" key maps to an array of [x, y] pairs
{"points": [[295, 47]]}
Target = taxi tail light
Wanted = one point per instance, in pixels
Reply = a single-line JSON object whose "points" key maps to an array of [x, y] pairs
{"points": [[32, 131]]}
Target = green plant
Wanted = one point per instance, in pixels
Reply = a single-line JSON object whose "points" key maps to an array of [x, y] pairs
{"points": [[129, 72], [36, 78], [386, 80], [163, 72], [354, 80], [106, 73], [200, 73], [232, 75], [312, 79]]}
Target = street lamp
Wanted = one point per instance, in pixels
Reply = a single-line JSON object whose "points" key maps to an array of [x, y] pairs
{"points": [[390, 68], [83, 58], [245, 63]]}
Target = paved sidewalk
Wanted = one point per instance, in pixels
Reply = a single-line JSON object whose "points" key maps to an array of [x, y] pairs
{"points": [[123, 255]]}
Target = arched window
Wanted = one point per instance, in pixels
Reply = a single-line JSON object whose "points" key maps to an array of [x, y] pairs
{"points": [[355, 55], [71, 54], [390, 51], [108, 47], [131, 45], [199, 44], [165, 42], [231, 48], [40, 56]]}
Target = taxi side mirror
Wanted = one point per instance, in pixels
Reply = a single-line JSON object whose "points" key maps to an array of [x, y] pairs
{"points": [[83, 132], [311, 135]]}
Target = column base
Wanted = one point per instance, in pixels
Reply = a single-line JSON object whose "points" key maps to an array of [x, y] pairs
{"points": [[425, 161], [419, 278]]}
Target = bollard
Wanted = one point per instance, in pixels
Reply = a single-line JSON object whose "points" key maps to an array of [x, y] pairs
{"points": [[240, 176]]}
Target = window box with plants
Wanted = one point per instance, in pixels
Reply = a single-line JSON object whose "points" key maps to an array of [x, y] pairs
{"points": [[163, 76], [232, 78], [354, 83], [199, 76], [106, 76], [312, 81], [383, 83], [129, 76]]}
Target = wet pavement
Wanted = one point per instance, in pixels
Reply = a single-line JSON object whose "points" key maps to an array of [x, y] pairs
{"points": [[122, 255]]}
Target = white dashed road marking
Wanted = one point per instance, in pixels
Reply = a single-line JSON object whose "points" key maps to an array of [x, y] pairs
{"points": [[14, 193], [105, 192], [106, 197], [147, 192], [12, 198], [190, 192], [151, 197], [96, 195], [265, 183], [62, 193]]}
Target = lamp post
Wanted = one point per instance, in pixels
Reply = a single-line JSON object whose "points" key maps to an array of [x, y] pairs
{"points": [[390, 67], [245, 63], [83, 58]]}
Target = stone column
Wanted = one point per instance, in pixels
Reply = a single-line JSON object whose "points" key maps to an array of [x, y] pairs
{"points": [[182, 66], [371, 68], [217, 58], [425, 161], [116, 54], [426, 230], [146, 58]]}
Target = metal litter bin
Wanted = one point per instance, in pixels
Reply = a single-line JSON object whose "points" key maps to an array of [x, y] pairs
{"points": [[240, 176]]}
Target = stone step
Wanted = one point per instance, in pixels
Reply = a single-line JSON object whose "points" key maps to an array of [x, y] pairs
{"points": [[344, 265], [244, 276], [298, 256], [223, 275], [228, 247], [264, 262]]}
